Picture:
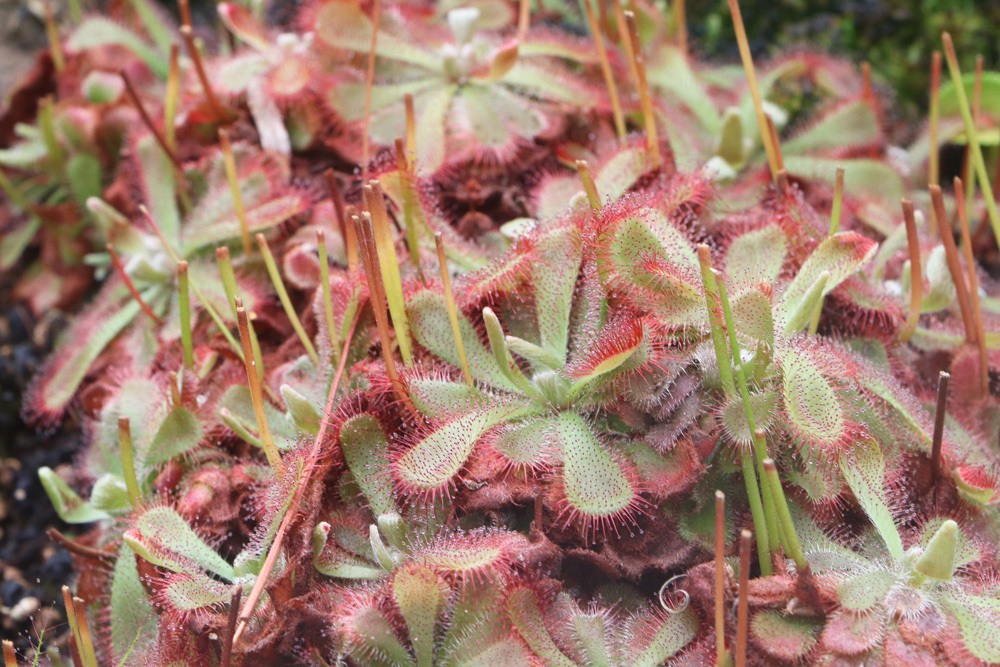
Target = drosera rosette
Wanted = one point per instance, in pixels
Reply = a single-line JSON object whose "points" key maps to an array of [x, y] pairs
{"points": [[51, 168], [277, 78], [625, 630], [478, 96], [575, 354], [144, 286], [899, 595]]}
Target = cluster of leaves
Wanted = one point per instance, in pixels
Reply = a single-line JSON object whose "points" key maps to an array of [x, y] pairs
{"points": [[336, 446]]}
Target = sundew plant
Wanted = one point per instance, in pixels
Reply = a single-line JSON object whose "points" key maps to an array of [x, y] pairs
{"points": [[499, 332]]}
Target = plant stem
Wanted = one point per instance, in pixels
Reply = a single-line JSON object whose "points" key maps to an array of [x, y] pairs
{"points": [[916, 274], [369, 86], [324, 279], [589, 187], [231, 289], [411, 131], [76, 643], [606, 72], [232, 175], [940, 411], [743, 605], [759, 444], [645, 100], [835, 211], [720, 577], [409, 207], [9, 655], [291, 513], [171, 97], [977, 96], [715, 322], [758, 105], [680, 26], [87, 649], [757, 512], [52, 33], [793, 546], [184, 305], [974, 304], [934, 152], [388, 263], [954, 266], [161, 141], [116, 262], [128, 460], [192, 48], [286, 301], [970, 130], [449, 297], [256, 394], [47, 126], [376, 293]]}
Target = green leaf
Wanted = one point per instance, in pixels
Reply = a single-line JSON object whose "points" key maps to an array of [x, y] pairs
{"points": [[671, 71], [194, 590], [16, 239], [375, 639], [594, 483], [841, 255], [990, 94], [545, 82], [591, 634], [655, 265], [752, 315], [863, 178], [938, 559], [431, 128], [343, 25], [862, 591], [757, 255], [262, 214], [497, 119], [851, 125], [429, 466], [24, 155], [179, 433], [782, 636], [979, 618], [554, 278], [84, 173], [164, 538], [110, 495], [672, 633], [133, 618], [864, 470], [80, 346], [70, 507], [539, 358], [366, 453], [528, 444], [302, 411], [239, 404], [157, 178], [436, 398], [340, 564], [420, 596], [812, 405], [431, 328], [526, 617], [98, 31]]}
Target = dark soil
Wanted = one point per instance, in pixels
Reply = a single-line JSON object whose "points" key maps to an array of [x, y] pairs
{"points": [[34, 569]]}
